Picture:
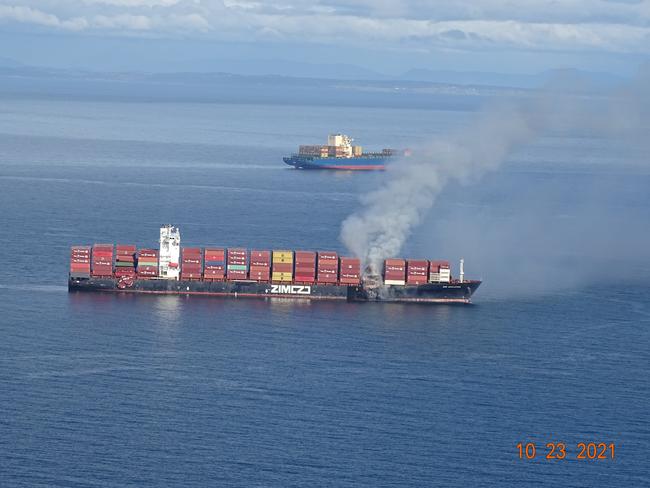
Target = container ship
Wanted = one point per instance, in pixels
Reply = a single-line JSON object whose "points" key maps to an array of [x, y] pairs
{"points": [[239, 272], [340, 154]]}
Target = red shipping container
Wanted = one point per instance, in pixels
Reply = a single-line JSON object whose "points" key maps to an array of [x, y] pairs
{"points": [[214, 267], [328, 271], [420, 280], [327, 278], [148, 269], [304, 278], [307, 256], [260, 254], [214, 273], [305, 269], [329, 255], [259, 270], [435, 265], [236, 275], [125, 272], [214, 256], [260, 276], [191, 260]]}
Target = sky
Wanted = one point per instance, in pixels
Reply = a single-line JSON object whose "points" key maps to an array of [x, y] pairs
{"points": [[383, 36]]}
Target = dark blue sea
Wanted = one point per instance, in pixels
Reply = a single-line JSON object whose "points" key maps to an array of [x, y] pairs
{"points": [[115, 391]]}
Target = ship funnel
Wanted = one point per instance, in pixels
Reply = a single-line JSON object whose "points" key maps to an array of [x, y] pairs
{"points": [[462, 270]]}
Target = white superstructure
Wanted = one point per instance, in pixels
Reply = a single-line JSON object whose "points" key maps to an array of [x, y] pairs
{"points": [[170, 252], [342, 143]]}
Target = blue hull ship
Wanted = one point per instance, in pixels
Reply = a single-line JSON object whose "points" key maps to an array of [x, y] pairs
{"points": [[339, 153], [360, 163]]}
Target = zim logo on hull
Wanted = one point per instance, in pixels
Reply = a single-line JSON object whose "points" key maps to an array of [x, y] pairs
{"points": [[291, 289]]}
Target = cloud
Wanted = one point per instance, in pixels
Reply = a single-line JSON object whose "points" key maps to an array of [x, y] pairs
{"points": [[118, 22], [570, 25], [134, 3], [34, 16]]}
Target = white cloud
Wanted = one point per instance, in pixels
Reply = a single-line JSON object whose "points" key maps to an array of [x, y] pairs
{"points": [[34, 16], [610, 25], [134, 3]]}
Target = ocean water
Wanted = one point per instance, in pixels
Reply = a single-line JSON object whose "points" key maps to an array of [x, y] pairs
{"points": [[102, 390]]}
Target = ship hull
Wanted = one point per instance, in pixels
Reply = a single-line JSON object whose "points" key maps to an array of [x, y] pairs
{"points": [[363, 163], [428, 293]]}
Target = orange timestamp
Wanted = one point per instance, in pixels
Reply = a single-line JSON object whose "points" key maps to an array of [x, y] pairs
{"points": [[558, 450]]}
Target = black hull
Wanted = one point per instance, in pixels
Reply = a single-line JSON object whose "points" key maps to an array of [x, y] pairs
{"points": [[429, 293]]}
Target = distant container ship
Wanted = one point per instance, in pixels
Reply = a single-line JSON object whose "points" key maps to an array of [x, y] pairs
{"points": [[340, 154], [239, 272]]}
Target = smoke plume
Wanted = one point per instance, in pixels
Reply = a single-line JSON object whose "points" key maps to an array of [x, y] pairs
{"points": [[388, 216]]}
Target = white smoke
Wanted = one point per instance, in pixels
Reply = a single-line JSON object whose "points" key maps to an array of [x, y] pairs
{"points": [[388, 216], [379, 229]]}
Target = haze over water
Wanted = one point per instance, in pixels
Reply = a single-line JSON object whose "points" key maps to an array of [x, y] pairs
{"points": [[101, 390]]}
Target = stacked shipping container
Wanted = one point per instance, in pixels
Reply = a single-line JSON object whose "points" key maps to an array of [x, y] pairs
{"points": [[350, 273], [102, 260], [306, 267], [147, 263], [417, 271], [394, 272], [215, 264], [237, 264], [282, 266], [124, 260], [260, 265], [80, 261], [328, 267], [191, 263], [305, 270]]}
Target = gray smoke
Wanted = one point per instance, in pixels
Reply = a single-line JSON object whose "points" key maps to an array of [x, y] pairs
{"points": [[388, 216]]}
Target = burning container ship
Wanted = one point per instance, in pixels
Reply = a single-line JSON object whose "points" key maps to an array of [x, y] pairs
{"points": [[238, 272], [339, 153]]}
